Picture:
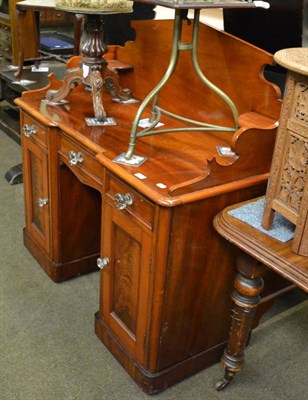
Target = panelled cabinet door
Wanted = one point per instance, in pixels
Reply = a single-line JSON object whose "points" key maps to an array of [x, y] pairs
{"points": [[36, 193], [125, 280]]}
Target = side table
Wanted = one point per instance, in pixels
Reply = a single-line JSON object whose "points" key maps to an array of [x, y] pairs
{"points": [[287, 191], [36, 7], [260, 252]]}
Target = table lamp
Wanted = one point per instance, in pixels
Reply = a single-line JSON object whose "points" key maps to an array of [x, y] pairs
{"points": [[93, 70]]}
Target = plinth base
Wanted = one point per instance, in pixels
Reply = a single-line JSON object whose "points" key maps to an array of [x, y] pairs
{"points": [[59, 272], [149, 382]]}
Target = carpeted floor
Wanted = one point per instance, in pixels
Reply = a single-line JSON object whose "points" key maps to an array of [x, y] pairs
{"points": [[48, 349]]}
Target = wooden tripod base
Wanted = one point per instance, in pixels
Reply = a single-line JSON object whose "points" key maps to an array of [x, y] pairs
{"points": [[93, 71]]}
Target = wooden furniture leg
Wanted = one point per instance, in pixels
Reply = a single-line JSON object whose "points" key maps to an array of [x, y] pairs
{"points": [[77, 32], [21, 14], [246, 297], [20, 24], [37, 36]]}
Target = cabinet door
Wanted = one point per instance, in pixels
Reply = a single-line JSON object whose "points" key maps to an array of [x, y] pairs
{"points": [[36, 192], [125, 281]]}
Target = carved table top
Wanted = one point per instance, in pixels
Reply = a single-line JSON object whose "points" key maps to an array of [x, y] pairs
{"points": [[294, 59]]}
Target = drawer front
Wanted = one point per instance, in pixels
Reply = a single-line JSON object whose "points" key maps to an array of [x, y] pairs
{"points": [[31, 129], [58, 17], [80, 160], [50, 18], [135, 204], [5, 34], [6, 48]]}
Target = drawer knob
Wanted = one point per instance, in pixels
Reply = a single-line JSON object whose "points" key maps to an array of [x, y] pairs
{"points": [[42, 202], [102, 262], [75, 158], [123, 200], [29, 130]]}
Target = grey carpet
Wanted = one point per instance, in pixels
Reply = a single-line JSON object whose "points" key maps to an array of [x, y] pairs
{"points": [[48, 349], [252, 214]]}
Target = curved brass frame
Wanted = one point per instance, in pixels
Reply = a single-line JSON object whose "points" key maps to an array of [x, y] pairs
{"points": [[157, 111]]}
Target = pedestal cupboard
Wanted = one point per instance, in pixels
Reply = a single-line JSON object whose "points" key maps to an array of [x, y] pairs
{"points": [[166, 275]]}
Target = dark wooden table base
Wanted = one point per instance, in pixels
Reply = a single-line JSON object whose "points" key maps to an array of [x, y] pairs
{"points": [[260, 253]]}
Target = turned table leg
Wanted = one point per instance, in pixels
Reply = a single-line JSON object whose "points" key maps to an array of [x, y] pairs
{"points": [[21, 14], [91, 70], [246, 296], [77, 32]]}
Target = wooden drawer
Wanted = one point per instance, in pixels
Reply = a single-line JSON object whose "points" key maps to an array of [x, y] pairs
{"points": [[33, 130], [5, 40], [137, 205], [58, 17], [80, 160], [5, 33], [53, 18], [6, 48]]}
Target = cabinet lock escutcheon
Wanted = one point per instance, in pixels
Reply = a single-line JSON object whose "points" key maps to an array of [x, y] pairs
{"points": [[42, 202], [102, 262], [29, 130], [123, 200], [75, 158]]}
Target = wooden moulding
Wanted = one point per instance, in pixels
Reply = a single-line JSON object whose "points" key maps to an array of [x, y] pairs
{"points": [[153, 383]]}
